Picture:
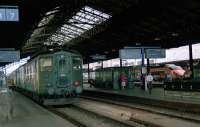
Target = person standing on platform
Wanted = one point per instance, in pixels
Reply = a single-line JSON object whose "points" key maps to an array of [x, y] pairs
{"points": [[123, 80], [149, 79], [168, 77]]}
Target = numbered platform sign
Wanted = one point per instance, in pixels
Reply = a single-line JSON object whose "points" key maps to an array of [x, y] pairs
{"points": [[9, 13]]}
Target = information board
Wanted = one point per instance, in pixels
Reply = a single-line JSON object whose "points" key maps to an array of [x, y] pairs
{"points": [[98, 57], [9, 13], [130, 53], [155, 53], [9, 56]]}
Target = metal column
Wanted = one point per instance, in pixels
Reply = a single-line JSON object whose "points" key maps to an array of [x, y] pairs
{"points": [[120, 63], [191, 61], [143, 76], [88, 71], [148, 66], [102, 64]]}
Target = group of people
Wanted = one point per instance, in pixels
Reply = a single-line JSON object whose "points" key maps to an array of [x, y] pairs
{"points": [[148, 81]]}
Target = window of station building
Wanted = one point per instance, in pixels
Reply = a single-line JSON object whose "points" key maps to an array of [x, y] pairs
{"points": [[46, 64]]}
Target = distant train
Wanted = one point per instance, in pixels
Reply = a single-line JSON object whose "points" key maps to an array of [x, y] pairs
{"points": [[109, 77], [53, 78]]}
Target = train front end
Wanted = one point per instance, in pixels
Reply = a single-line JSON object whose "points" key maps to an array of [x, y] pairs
{"points": [[64, 82]]}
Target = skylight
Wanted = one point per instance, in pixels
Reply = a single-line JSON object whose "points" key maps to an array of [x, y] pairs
{"points": [[84, 20], [48, 16]]}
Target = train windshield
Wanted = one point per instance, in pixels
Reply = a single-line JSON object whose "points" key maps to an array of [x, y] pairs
{"points": [[46, 64], [62, 64], [77, 62]]}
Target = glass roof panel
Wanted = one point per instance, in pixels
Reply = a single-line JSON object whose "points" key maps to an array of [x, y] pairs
{"points": [[82, 21]]}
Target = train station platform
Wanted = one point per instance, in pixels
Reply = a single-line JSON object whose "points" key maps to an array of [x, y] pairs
{"points": [[18, 111], [158, 97], [157, 93]]}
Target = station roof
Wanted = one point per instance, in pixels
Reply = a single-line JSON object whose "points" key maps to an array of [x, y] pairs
{"points": [[102, 26]]}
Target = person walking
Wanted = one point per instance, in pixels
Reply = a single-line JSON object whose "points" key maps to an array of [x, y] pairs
{"points": [[123, 80], [149, 80]]}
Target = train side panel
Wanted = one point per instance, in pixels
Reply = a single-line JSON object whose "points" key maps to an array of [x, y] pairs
{"points": [[51, 78]]}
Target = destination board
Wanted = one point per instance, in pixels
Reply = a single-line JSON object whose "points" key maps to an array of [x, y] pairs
{"points": [[9, 56], [130, 53], [9, 13], [155, 53], [98, 57]]}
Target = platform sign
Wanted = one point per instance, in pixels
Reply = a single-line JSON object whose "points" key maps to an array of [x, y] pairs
{"points": [[9, 13], [130, 53], [155, 53], [9, 56], [7, 49], [98, 57], [2, 14]]}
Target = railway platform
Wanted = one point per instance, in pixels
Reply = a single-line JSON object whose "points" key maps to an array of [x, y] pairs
{"points": [[158, 97], [18, 111]]}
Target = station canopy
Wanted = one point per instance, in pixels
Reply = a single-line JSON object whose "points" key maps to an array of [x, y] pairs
{"points": [[102, 26], [84, 20]]}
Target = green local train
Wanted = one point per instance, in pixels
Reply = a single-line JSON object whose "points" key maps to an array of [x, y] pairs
{"points": [[53, 78], [109, 78]]}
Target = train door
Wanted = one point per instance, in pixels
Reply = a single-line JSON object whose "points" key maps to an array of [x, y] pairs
{"points": [[116, 74], [46, 72], [63, 70], [77, 73]]}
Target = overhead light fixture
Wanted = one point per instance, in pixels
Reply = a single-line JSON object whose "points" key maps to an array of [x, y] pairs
{"points": [[106, 52], [51, 50], [157, 39], [137, 44], [175, 34], [114, 50]]}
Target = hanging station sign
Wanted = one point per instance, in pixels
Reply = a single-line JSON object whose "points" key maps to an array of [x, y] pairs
{"points": [[9, 13], [98, 57], [9, 56], [130, 53], [155, 53]]}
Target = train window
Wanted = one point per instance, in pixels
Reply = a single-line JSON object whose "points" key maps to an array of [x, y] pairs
{"points": [[62, 64], [77, 63], [46, 64]]}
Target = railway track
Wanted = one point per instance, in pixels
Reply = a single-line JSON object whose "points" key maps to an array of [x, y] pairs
{"points": [[156, 110], [95, 112], [81, 117], [137, 115], [66, 117], [90, 113]]}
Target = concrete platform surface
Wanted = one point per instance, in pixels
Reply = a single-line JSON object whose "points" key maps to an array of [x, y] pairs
{"points": [[157, 94], [18, 111]]}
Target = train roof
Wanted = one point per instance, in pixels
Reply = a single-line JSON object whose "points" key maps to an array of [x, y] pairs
{"points": [[52, 51]]}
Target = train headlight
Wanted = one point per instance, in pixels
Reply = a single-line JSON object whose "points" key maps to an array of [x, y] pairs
{"points": [[78, 88], [51, 91], [48, 84], [76, 83]]}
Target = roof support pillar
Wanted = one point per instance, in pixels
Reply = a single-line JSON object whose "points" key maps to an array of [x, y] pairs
{"points": [[142, 67], [88, 71], [120, 60], [102, 64], [191, 61], [148, 66]]}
